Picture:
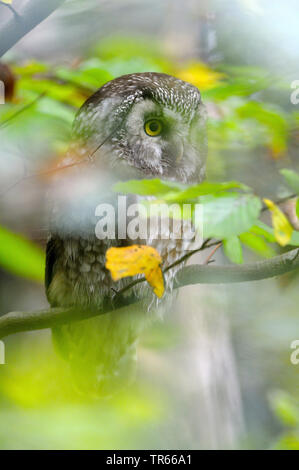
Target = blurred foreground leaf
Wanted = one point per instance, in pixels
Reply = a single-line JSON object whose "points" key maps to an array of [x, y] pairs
{"points": [[152, 187], [40, 398], [289, 441], [285, 408], [171, 191], [274, 122], [287, 411], [292, 179], [20, 256]]}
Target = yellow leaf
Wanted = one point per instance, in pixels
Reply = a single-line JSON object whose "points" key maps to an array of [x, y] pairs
{"points": [[136, 259], [282, 227], [9, 2], [155, 279], [200, 75]]}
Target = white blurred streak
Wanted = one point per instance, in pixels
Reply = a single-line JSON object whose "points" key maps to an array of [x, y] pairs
{"points": [[208, 373], [200, 374]]}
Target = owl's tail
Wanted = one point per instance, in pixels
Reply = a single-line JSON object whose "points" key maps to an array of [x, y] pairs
{"points": [[101, 351]]}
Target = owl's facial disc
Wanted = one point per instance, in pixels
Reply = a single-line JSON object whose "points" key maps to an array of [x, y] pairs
{"points": [[162, 141]]}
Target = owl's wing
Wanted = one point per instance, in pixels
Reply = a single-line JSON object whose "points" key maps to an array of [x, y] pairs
{"points": [[52, 255], [101, 351], [50, 260]]}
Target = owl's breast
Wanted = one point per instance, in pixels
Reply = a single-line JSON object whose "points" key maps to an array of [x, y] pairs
{"points": [[79, 275]]}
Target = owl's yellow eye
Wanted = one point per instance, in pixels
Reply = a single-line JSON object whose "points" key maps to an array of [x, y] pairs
{"points": [[153, 127]]}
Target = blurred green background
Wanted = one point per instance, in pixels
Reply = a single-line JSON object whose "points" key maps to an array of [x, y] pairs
{"points": [[216, 373]]}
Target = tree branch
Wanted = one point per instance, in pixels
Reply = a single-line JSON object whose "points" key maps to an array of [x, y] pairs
{"points": [[15, 322], [15, 24], [205, 274]]}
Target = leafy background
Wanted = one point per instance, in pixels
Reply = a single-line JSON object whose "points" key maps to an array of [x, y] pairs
{"points": [[217, 372]]}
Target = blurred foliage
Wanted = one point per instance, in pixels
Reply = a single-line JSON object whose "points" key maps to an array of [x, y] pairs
{"points": [[39, 397], [233, 249], [240, 117], [20, 256], [202, 76], [243, 115], [287, 411], [48, 96], [292, 179]]}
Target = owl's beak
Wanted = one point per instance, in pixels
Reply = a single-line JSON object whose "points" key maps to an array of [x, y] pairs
{"points": [[180, 151], [177, 149]]}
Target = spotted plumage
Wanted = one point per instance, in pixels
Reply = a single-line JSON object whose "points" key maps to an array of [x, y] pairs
{"points": [[111, 144]]}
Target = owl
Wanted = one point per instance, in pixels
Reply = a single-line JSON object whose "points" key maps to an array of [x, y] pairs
{"points": [[145, 125]]}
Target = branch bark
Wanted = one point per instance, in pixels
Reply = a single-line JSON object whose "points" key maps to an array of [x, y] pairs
{"points": [[15, 322], [206, 274], [28, 14]]}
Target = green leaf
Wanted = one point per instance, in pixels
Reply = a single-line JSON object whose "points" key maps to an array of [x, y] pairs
{"points": [[257, 244], [175, 192], [285, 408], [55, 109], [154, 187], [288, 441], [67, 93], [292, 179], [294, 239], [262, 229], [228, 215], [233, 249], [240, 84], [202, 189], [297, 208], [20, 256], [90, 74]]}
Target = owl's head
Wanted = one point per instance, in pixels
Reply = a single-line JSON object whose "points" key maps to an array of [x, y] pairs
{"points": [[145, 125]]}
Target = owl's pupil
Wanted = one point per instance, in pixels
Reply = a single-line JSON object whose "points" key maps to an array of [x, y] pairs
{"points": [[154, 126]]}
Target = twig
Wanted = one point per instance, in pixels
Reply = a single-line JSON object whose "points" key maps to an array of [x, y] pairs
{"points": [[11, 8], [213, 252], [20, 111]]}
